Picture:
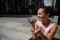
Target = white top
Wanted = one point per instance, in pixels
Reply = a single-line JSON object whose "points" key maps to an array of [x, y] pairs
{"points": [[44, 29]]}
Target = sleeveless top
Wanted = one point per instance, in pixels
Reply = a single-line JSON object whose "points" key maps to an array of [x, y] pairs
{"points": [[44, 29]]}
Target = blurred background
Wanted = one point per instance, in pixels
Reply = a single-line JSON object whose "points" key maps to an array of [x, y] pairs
{"points": [[26, 7], [14, 15]]}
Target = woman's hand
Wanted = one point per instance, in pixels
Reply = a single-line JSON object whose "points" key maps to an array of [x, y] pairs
{"points": [[35, 31], [32, 21], [34, 35]]}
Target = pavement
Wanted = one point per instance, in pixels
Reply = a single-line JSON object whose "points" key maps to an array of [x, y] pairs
{"points": [[15, 28]]}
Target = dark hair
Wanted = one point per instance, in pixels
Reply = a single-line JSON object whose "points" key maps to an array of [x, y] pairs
{"points": [[48, 9], [44, 7]]}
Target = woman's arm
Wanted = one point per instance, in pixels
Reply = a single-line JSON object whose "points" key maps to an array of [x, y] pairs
{"points": [[50, 34], [53, 31], [34, 27], [34, 31]]}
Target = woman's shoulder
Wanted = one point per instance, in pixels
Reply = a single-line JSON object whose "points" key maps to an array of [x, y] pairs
{"points": [[54, 26], [53, 23]]}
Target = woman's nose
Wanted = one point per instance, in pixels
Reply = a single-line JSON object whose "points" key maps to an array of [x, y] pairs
{"points": [[40, 16]]}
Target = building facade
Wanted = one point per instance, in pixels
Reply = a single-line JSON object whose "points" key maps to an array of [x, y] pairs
{"points": [[17, 7]]}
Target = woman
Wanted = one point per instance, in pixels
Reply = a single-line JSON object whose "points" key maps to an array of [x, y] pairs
{"points": [[43, 28]]}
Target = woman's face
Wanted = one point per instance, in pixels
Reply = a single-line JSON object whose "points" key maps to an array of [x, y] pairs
{"points": [[41, 14]]}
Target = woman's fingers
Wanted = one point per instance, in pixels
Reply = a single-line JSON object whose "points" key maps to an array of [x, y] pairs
{"points": [[32, 21], [32, 30], [36, 31]]}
